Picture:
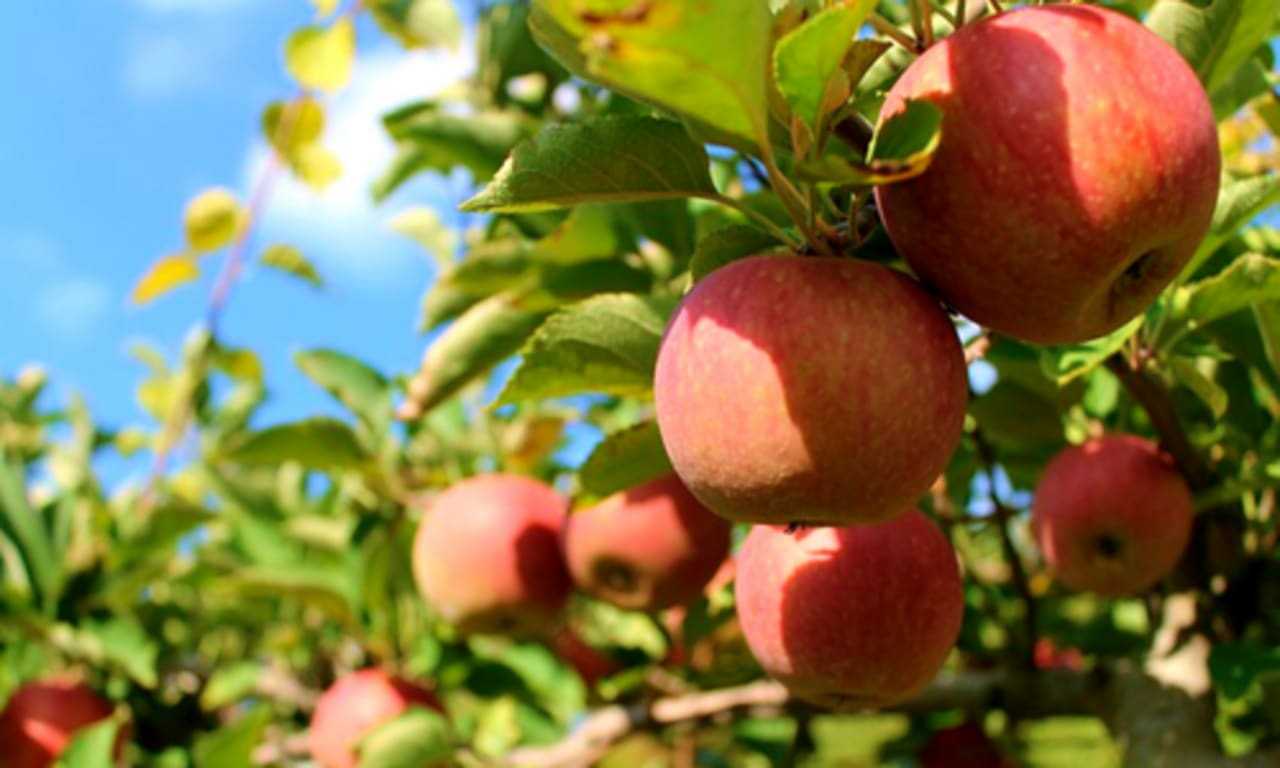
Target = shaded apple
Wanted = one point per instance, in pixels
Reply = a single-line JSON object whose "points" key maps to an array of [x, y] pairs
{"points": [[1112, 516], [962, 746], [487, 555], [855, 617], [41, 718], [810, 390], [353, 707], [646, 548], [1078, 171]]}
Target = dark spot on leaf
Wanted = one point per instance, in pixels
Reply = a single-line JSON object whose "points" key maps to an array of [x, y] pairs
{"points": [[635, 14]]}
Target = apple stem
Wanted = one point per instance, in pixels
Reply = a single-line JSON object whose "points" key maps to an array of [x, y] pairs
{"points": [[961, 14], [996, 6]]}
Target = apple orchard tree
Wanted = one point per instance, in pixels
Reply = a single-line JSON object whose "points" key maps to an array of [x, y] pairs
{"points": [[933, 348]]}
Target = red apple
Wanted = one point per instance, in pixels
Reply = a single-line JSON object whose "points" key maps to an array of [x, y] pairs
{"points": [[42, 717], [487, 555], [589, 662], [355, 706], [1112, 516], [1077, 174], [809, 390], [854, 617], [962, 746], [647, 548]]}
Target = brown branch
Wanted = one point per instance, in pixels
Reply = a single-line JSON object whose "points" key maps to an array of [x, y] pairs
{"points": [[886, 28], [1145, 387]]}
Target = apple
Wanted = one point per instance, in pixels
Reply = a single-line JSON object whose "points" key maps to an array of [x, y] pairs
{"points": [[856, 617], [646, 548], [591, 663], [42, 717], [809, 390], [353, 707], [487, 555], [1077, 173], [1112, 516], [962, 746]]}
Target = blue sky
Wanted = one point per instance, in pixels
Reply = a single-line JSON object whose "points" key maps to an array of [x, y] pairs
{"points": [[121, 111]]}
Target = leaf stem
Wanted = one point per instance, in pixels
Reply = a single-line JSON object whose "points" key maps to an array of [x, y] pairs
{"points": [[759, 218], [886, 28]]}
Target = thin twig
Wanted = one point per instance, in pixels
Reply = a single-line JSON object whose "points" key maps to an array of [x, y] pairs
{"points": [[926, 22], [886, 28], [1154, 397]]}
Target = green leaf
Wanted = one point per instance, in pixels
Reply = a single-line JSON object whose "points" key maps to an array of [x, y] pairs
{"points": [[431, 140], [1067, 362], [232, 745], [807, 58], [123, 643], [92, 746], [418, 737], [424, 227], [625, 459], [1234, 666], [319, 443], [165, 275], [212, 219], [1250, 279], [321, 587], [1267, 315], [240, 364], [610, 159], [354, 384], [1210, 393], [1216, 38], [289, 260], [606, 344], [483, 336], [320, 57], [589, 232], [704, 60], [1239, 201], [26, 529], [902, 148], [729, 244], [229, 684], [291, 125]]}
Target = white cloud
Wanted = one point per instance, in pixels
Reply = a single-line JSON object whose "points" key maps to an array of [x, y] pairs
{"points": [[340, 228], [71, 309], [163, 65]]}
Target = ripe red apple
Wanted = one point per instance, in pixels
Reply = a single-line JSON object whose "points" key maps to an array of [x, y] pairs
{"points": [[962, 746], [1112, 516], [353, 707], [487, 555], [42, 717], [810, 390], [1078, 171], [855, 617], [646, 548]]}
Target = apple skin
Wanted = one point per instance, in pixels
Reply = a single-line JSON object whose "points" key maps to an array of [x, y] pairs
{"points": [[962, 746], [487, 555], [1077, 174], [1112, 516], [354, 706], [809, 390], [646, 548], [42, 717], [851, 618]]}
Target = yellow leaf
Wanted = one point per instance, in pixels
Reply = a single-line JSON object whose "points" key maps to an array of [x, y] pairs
{"points": [[289, 125], [424, 226], [165, 275], [325, 7], [212, 219], [315, 165], [290, 260], [321, 58]]}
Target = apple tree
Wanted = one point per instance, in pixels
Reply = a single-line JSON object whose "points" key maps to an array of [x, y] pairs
{"points": [[809, 382]]}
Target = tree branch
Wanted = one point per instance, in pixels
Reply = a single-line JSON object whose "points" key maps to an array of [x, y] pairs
{"points": [[1151, 394]]}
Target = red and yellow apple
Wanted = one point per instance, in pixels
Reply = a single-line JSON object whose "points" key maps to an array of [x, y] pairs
{"points": [[487, 555], [646, 548], [1077, 173], [353, 707], [856, 617], [1112, 516], [809, 390], [41, 718]]}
